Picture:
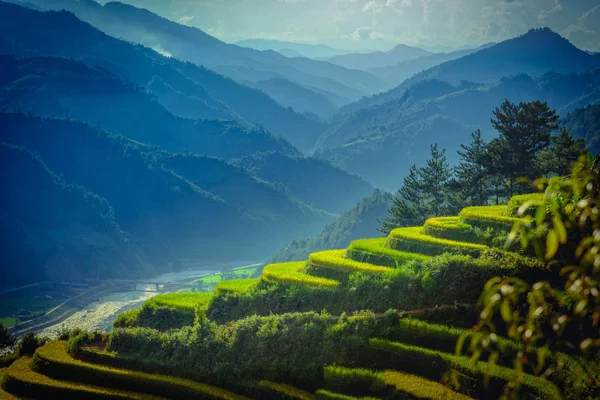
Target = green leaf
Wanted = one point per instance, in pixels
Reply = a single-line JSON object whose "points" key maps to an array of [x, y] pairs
{"points": [[560, 229], [540, 214], [551, 244], [505, 311]]}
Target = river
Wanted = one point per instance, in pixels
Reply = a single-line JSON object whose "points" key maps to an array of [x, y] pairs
{"points": [[100, 315]]}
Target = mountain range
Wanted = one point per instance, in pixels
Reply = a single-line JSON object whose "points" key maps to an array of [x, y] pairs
{"points": [[174, 206], [191, 44], [316, 51], [186, 89], [381, 142], [379, 59]]}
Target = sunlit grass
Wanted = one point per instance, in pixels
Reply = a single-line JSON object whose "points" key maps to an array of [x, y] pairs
{"points": [[420, 388], [287, 390], [337, 259], [452, 223], [291, 273], [376, 246], [498, 214], [414, 239], [238, 285], [187, 301], [20, 376]]}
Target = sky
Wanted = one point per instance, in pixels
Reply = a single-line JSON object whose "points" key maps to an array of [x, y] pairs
{"points": [[380, 24]]}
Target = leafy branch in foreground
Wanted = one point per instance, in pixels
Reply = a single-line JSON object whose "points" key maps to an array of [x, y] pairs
{"points": [[557, 320]]}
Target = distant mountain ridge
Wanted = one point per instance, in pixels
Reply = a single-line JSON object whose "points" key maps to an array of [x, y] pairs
{"points": [[51, 227], [379, 59], [188, 90], [381, 142], [533, 53], [57, 87], [191, 44], [303, 49], [394, 75], [172, 205]]}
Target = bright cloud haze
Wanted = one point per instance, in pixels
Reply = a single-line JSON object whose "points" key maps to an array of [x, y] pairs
{"points": [[380, 24]]}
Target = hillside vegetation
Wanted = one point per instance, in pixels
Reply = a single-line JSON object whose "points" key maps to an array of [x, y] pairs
{"points": [[294, 334]]}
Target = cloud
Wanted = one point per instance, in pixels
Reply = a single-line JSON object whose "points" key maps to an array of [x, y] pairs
{"points": [[377, 6], [185, 20], [586, 32], [291, 1], [364, 33]]}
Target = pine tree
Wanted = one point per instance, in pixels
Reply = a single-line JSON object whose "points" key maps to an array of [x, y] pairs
{"points": [[525, 131], [424, 194], [406, 208], [471, 172], [563, 152], [435, 181]]}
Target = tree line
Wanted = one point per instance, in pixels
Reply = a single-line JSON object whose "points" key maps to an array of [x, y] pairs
{"points": [[529, 144]]}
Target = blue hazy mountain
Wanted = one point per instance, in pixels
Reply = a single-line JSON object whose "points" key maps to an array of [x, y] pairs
{"points": [[381, 142], [311, 180], [394, 75], [180, 85], [301, 49], [59, 87], [64, 88], [534, 53], [172, 205], [379, 59], [191, 44], [53, 228]]}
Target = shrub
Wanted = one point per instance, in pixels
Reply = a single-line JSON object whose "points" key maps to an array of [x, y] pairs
{"points": [[237, 285], [373, 251], [433, 364], [355, 381], [415, 240], [127, 319], [6, 339], [336, 259], [517, 201], [291, 273], [458, 316], [284, 391], [488, 216], [29, 343], [53, 360], [289, 348], [420, 388], [166, 311]]}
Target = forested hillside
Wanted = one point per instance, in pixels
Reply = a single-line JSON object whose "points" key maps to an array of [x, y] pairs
{"points": [[173, 205], [369, 141], [54, 228], [532, 53], [191, 44], [61, 87], [177, 83], [585, 123], [357, 222], [311, 180]]}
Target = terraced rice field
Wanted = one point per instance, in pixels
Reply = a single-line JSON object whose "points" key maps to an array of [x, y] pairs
{"points": [[410, 361]]}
